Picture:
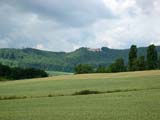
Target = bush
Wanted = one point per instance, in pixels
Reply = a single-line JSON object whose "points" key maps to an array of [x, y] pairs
{"points": [[81, 69], [117, 66], [20, 73], [101, 69], [86, 92]]}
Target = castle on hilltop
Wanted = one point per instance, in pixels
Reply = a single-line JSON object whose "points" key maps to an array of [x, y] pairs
{"points": [[95, 49]]}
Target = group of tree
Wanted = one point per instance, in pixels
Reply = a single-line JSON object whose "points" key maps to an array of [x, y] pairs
{"points": [[151, 62], [84, 68], [17, 73], [135, 63]]}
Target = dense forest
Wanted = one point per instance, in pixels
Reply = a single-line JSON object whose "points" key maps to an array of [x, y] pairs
{"points": [[151, 61], [8, 73], [63, 61]]}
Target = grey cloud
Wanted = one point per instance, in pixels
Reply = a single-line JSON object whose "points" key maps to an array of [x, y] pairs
{"points": [[68, 12], [63, 25], [148, 6]]}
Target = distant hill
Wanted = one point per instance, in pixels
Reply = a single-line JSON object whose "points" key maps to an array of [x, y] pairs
{"points": [[62, 61]]}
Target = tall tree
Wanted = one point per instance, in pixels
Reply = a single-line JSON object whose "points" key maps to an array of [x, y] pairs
{"points": [[141, 63], [159, 62], [132, 57], [152, 57]]}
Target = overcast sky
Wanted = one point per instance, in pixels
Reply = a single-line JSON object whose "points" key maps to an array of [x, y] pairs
{"points": [[65, 25]]}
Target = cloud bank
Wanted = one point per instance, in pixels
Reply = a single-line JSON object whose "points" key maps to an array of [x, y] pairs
{"points": [[65, 25]]}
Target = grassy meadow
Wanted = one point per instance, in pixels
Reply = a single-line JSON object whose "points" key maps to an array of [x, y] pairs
{"points": [[57, 73], [123, 96]]}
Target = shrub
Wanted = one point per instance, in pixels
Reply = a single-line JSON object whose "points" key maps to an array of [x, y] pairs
{"points": [[83, 68], [20, 73], [86, 92]]}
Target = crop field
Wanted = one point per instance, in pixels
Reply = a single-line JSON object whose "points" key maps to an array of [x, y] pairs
{"points": [[115, 96]]}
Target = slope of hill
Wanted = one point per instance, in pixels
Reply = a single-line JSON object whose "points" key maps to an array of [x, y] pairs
{"points": [[121, 96], [62, 61]]}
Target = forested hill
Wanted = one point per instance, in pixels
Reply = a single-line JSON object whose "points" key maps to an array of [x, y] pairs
{"points": [[61, 61]]}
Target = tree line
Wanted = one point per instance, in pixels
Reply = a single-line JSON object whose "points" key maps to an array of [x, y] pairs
{"points": [[149, 62], [17, 73]]}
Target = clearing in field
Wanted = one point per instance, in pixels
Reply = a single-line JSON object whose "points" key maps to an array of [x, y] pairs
{"points": [[120, 96]]}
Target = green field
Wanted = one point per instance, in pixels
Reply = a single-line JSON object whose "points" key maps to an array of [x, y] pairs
{"points": [[124, 96], [57, 73]]}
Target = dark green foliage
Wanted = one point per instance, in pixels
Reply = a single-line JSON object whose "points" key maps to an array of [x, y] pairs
{"points": [[12, 97], [101, 69], [81, 69], [5, 70], [117, 66], [152, 57], [132, 57], [61, 61], [86, 92], [140, 63], [135, 63], [159, 62], [20, 73]]}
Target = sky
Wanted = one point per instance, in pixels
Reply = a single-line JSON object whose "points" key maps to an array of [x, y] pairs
{"points": [[66, 25]]}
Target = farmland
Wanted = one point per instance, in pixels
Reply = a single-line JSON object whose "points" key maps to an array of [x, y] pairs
{"points": [[122, 96]]}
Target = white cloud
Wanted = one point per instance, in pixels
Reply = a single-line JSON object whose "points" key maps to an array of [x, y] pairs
{"points": [[121, 7]]}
